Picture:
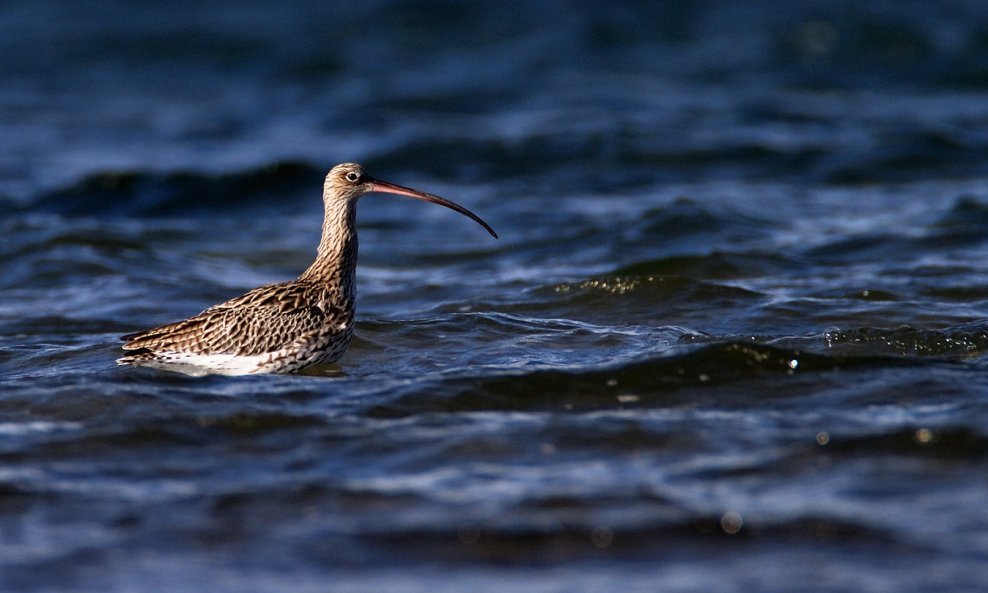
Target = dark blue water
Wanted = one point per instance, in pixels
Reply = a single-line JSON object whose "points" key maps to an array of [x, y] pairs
{"points": [[732, 337]]}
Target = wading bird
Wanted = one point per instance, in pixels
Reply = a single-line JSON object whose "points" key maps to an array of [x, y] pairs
{"points": [[287, 327]]}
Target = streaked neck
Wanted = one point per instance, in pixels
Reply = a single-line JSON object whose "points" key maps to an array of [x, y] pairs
{"points": [[336, 257]]}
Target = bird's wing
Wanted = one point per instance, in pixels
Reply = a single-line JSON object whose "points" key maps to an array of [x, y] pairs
{"points": [[265, 319]]}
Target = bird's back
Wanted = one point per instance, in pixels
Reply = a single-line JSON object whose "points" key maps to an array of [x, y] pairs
{"points": [[295, 323]]}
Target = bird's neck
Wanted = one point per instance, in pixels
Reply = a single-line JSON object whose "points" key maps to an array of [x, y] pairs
{"points": [[336, 258]]}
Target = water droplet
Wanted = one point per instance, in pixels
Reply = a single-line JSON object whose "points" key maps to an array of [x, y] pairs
{"points": [[731, 522]]}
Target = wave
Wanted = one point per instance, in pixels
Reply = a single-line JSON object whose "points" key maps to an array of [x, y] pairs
{"points": [[655, 381], [967, 340], [185, 193]]}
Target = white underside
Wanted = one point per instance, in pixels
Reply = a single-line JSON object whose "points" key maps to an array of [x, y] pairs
{"points": [[206, 364]]}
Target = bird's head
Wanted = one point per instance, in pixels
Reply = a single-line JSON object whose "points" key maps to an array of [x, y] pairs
{"points": [[349, 181]]}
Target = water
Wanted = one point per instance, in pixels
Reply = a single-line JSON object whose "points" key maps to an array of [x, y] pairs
{"points": [[731, 337]]}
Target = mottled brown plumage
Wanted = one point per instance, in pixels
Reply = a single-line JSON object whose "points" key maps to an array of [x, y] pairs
{"points": [[285, 327]]}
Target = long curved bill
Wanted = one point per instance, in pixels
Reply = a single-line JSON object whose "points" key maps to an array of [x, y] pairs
{"points": [[392, 188]]}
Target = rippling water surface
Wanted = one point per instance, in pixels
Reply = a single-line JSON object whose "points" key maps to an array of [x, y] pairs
{"points": [[732, 336]]}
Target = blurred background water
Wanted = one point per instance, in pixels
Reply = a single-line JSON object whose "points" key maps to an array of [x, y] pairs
{"points": [[731, 337]]}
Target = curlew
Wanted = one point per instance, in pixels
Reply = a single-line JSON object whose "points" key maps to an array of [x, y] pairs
{"points": [[286, 327]]}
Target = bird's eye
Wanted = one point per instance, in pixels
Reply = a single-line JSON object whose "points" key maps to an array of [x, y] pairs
{"points": [[352, 176]]}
